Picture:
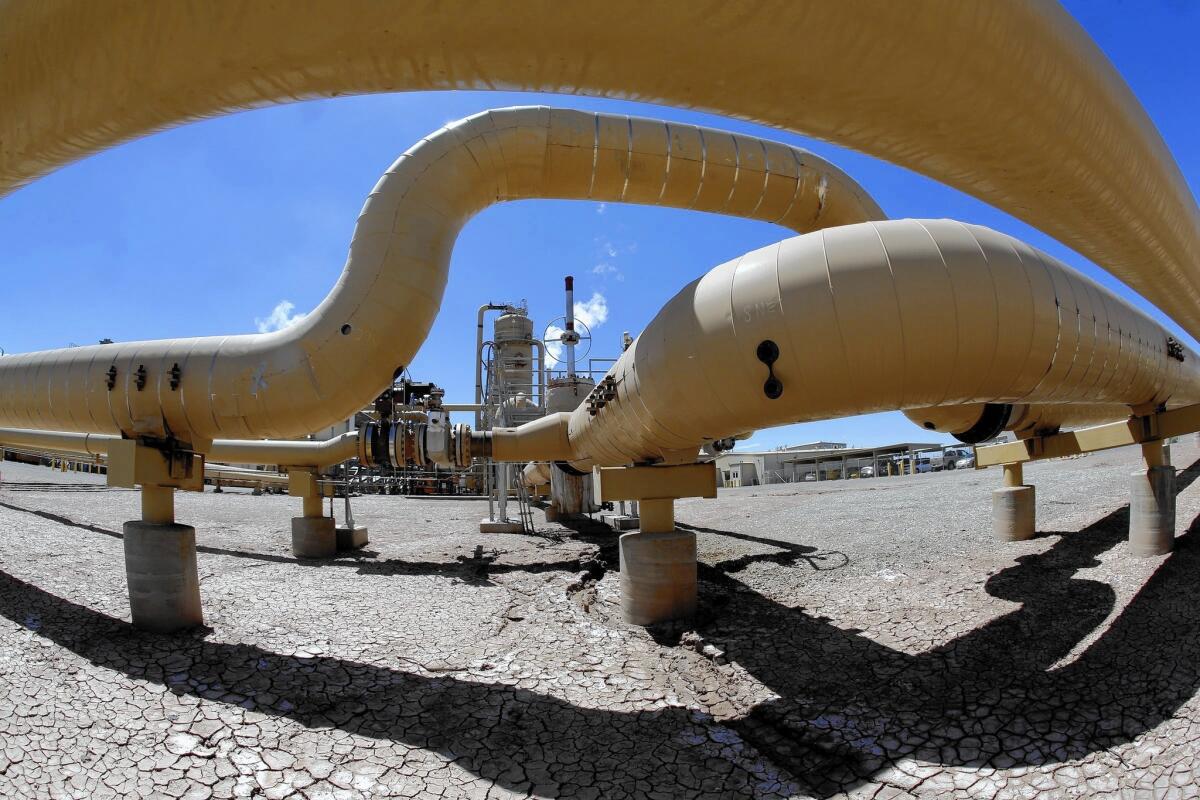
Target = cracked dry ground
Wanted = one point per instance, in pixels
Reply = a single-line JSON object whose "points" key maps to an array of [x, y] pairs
{"points": [[862, 637]]}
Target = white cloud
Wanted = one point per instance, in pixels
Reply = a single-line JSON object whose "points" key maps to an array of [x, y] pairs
{"points": [[592, 312], [610, 250], [605, 269], [280, 317], [600, 209]]}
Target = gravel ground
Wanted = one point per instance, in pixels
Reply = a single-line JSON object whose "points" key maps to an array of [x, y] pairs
{"points": [[863, 638]]}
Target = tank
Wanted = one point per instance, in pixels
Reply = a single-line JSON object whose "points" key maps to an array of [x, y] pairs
{"points": [[565, 394], [513, 335]]}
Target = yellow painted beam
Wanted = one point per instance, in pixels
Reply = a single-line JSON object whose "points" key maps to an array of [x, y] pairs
{"points": [[1134, 430]]}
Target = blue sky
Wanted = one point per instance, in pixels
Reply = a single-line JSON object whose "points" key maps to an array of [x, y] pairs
{"points": [[208, 228]]}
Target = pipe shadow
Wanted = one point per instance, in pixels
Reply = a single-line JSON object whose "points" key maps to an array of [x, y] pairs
{"points": [[512, 736], [1023, 689], [1026, 688], [477, 568], [791, 553]]}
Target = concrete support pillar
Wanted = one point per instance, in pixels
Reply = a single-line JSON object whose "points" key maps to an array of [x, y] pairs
{"points": [[160, 566], [314, 534], [1014, 515], [658, 568], [1152, 504]]}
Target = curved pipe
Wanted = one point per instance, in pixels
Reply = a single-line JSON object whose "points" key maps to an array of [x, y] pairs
{"points": [[535, 474], [288, 383], [483, 309], [874, 317], [285, 454], [1011, 102], [291, 454]]}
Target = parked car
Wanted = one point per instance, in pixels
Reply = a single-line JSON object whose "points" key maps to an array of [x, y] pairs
{"points": [[966, 462], [866, 472], [924, 465]]}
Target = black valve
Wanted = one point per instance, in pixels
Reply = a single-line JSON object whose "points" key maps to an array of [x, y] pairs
{"points": [[110, 377], [176, 376], [139, 377], [768, 353]]}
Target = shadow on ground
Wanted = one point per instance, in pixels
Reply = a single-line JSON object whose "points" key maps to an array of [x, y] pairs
{"points": [[848, 706]]}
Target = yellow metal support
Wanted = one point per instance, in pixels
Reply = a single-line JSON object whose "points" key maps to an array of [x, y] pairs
{"points": [[1135, 430], [655, 483]]}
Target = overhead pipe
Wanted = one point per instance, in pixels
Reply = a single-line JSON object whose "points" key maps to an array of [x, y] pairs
{"points": [[290, 382], [1010, 102], [903, 314]]}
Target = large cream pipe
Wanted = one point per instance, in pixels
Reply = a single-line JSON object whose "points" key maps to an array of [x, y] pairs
{"points": [[871, 317], [1009, 101], [291, 382]]}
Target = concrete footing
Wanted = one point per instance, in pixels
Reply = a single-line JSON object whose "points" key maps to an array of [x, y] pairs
{"points": [[658, 576], [500, 526], [313, 537], [1014, 514], [1152, 511], [352, 538], [620, 522], [160, 568]]}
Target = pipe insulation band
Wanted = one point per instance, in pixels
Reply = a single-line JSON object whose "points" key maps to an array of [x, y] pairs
{"points": [[903, 314], [291, 382]]}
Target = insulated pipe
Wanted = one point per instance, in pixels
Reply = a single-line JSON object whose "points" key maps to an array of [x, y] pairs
{"points": [[291, 382], [58, 441], [955, 313], [536, 473], [292, 454], [289, 454], [1008, 101]]}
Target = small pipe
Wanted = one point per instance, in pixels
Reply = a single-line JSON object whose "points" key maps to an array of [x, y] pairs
{"points": [[158, 505], [311, 503], [1153, 453], [570, 325], [1014, 475], [540, 346], [284, 453], [483, 309]]}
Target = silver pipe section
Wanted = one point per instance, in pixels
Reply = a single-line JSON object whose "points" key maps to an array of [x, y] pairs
{"points": [[569, 339], [483, 309], [543, 389], [287, 383]]}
